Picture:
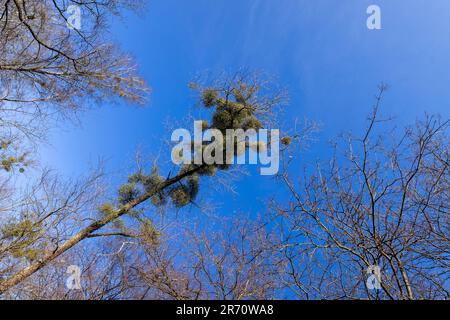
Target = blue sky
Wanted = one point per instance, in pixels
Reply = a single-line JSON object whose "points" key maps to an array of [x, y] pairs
{"points": [[320, 50]]}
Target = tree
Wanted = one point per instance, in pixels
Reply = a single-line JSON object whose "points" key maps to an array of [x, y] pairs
{"points": [[237, 103], [385, 203], [231, 264], [48, 71]]}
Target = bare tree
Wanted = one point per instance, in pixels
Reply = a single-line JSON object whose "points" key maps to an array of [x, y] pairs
{"points": [[231, 264], [385, 203], [49, 70]]}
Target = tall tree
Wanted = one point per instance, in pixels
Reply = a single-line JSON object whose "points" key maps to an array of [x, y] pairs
{"points": [[49, 70], [383, 203], [239, 102]]}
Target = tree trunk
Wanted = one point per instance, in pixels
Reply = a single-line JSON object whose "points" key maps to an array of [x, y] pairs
{"points": [[86, 232]]}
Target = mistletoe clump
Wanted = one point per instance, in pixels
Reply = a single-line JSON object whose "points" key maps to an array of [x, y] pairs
{"points": [[234, 104]]}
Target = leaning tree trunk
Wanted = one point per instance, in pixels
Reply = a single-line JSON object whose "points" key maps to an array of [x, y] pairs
{"points": [[88, 231]]}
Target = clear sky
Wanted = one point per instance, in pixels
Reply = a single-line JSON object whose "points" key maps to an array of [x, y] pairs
{"points": [[320, 50]]}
